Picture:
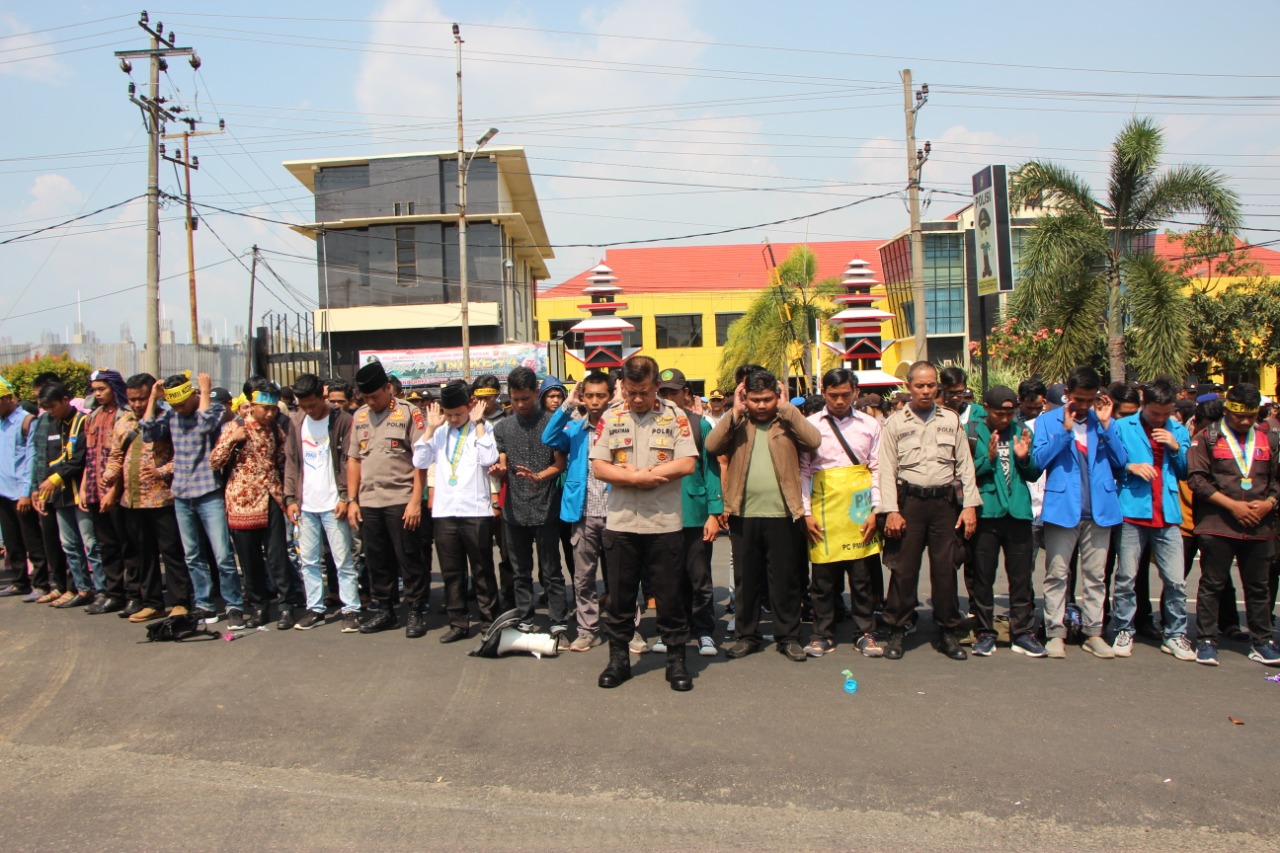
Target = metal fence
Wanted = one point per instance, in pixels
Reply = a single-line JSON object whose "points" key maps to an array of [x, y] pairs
{"points": [[225, 363]]}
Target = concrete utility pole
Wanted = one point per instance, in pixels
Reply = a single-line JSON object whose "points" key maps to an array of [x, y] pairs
{"points": [[253, 282], [916, 158], [154, 114], [188, 162], [464, 164]]}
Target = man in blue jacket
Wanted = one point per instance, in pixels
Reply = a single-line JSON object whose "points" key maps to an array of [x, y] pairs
{"points": [[584, 502], [1082, 455], [1156, 445]]}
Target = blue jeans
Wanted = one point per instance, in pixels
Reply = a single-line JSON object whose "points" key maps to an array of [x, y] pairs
{"points": [[313, 525], [1166, 552], [75, 528], [208, 512]]}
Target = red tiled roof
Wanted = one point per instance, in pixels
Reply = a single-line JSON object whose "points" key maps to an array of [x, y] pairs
{"points": [[1267, 259], [680, 269]]}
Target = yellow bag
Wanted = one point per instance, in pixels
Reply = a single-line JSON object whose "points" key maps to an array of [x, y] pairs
{"points": [[841, 502]]}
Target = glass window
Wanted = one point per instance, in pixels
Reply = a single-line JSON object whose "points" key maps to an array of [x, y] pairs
{"points": [[559, 330], [723, 322], [406, 257], [678, 330]]}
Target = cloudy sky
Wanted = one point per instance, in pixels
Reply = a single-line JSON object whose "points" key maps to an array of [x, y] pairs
{"points": [[644, 120]]}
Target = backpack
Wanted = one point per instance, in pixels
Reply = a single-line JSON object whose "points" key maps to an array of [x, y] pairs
{"points": [[178, 629]]}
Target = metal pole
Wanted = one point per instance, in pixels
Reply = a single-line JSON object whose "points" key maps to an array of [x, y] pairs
{"points": [[253, 280], [191, 239], [464, 314], [917, 238], [151, 361]]}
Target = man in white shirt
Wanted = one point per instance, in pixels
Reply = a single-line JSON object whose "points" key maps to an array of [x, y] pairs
{"points": [[460, 445], [315, 495]]}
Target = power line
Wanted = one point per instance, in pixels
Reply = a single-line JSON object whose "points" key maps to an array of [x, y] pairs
{"points": [[71, 220]]}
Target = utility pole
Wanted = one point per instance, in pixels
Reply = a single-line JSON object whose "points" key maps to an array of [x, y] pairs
{"points": [[253, 280], [188, 162], [154, 114], [464, 164], [916, 158]]}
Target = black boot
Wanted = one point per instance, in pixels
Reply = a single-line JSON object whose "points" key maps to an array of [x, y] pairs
{"points": [[619, 668], [259, 617], [677, 674], [286, 618], [893, 645], [950, 646]]}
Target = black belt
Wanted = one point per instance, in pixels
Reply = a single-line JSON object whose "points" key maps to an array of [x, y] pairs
{"points": [[926, 491]]}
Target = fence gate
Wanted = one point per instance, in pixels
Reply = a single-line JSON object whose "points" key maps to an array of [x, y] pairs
{"points": [[288, 345]]}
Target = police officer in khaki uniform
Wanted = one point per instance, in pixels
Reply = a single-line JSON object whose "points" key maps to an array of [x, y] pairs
{"points": [[643, 446], [386, 501], [924, 453]]}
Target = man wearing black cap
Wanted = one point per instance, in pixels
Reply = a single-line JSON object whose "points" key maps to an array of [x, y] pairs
{"points": [[1003, 468], [386, 501], [460, 445]]}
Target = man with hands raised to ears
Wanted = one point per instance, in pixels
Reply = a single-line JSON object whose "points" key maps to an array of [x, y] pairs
{"points": [[459, 443]]}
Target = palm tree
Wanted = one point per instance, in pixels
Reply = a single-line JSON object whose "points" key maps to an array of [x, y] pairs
{"points": [[777, 329], [1092, 238]]}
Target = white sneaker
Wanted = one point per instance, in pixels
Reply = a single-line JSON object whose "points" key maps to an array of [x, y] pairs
{"points": [[1056, 648], [707, 647], [1123, 645], [658, 646], [1179, 647], [638, 644]]}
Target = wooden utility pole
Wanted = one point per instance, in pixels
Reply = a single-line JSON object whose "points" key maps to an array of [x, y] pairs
{"points": [[154, 113], [188, 163], [915, 159]]}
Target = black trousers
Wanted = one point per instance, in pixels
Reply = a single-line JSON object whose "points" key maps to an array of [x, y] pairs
{"points": [[56, 557], [1228, 616], [1254, 559], [24, 544], [699, 589], [114, 547], [460, 541], [931, 524], [155, 535], [828, 580], [1013, 537], [393, 554], [769, 554], [266, 551], [626, 556]]}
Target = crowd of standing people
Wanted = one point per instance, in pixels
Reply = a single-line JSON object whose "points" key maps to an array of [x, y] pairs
{"points": [[325, 502]]}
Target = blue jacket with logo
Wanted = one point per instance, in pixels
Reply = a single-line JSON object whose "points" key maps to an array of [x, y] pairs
{"points": [[1135, 492], [574, 437], [1054, 452]]}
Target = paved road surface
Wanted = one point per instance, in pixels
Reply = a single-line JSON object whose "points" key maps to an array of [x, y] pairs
{"points": [[324, 741]]}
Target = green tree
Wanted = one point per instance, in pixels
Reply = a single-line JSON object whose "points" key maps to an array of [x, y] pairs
{"points": [[75, 374], [1094, 237], [777, 330]]}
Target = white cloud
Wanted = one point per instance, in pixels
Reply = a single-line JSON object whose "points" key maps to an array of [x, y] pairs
{"points": [[32, 54]]}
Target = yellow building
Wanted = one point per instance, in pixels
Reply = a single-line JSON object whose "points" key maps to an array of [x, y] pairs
{"points": [[683, 299]]}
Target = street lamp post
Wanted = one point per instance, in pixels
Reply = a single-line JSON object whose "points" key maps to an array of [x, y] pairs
{"points": [[464, 166]]}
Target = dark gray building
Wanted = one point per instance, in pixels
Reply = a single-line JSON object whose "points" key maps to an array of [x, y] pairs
{"points": [[386, 235]]}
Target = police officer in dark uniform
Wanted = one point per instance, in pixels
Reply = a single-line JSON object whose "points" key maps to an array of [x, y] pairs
{"points": [[386, 501], [927, 492]]}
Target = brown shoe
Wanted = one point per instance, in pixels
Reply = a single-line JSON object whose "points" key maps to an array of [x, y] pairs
{"points": [[178, 610], [49, 597], [146, 614], [62, 599]]}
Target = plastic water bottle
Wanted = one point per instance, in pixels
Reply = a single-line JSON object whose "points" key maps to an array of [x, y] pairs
{"points": [[850, 686]]}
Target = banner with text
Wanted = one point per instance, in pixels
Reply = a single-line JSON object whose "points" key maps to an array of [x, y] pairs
{"points": [[416, 367], [993, 244]]}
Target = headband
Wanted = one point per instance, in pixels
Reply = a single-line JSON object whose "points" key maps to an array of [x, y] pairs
{"points": [[265, 398], [238, 402], [181, 394], [6, 390], [1239, 408], [485, 392]]}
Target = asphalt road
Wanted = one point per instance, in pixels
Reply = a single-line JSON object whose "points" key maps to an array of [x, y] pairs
{"points": [[325, 741]]}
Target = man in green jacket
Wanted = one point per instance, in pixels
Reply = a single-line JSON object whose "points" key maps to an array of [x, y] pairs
{"points": [[702, 508], [1003, 467]]}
